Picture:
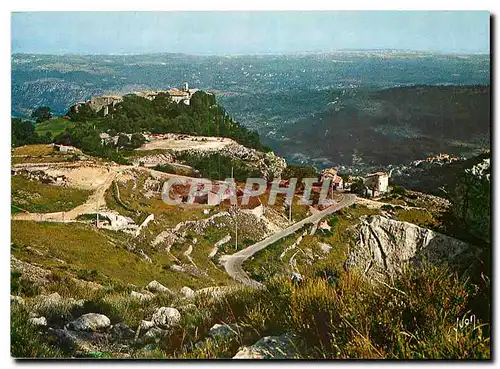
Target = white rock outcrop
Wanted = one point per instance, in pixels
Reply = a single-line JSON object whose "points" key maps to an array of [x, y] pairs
{"points": [[224, 331], [166, 317], [155, 286], [384, 246], [90, 322], [141, 296], [39, 322], [271, 347], [187, 292]]}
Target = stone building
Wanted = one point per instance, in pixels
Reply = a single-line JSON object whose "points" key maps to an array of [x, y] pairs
{"points": [[98, 103], [377, 183], [102, 103]]}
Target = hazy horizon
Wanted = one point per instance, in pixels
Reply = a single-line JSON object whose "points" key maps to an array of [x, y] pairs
{"points": [[249, 33], [257, 53]]}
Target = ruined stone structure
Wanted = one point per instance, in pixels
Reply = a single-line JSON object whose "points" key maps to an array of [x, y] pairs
{"points": [[97, 103], [102, 103]]}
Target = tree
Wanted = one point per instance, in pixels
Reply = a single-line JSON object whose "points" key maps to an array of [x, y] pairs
{"points": [[358, 187], [123, 140], [23, 133], [299, 172], [137, 140], [82, 114], [471, 199], [41, 114]]}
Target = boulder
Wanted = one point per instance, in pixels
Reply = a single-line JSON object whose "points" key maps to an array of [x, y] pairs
{"points": [[80, 341], [296, 278], [39, 322], [271, 347], [187, 292], [155, 334], [146, 324], [155, 286], [141, 296], [90, 322], [16, 299], [49, 301], [166, 317], [143, 255], [177, 268], [384, 246], [122, 331], [224, 331]]}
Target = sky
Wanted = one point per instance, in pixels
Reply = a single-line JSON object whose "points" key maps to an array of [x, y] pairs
{"points": [[248, 32]]}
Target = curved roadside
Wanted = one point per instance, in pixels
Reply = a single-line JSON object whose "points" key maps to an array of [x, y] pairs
{"points": [[233, 263]]}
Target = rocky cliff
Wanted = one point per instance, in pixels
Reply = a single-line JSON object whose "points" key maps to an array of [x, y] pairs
{"points": [[384, 246]]}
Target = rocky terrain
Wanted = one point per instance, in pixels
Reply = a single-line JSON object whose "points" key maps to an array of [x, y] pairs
{"points": [[385, 247]]}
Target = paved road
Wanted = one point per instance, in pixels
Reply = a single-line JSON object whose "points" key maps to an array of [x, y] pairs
{"points": [[233, 263]]}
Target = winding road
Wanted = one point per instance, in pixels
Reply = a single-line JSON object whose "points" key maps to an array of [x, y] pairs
{"points": [[233, 263]]}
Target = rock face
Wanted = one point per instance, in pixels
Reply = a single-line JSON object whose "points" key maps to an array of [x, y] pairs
{"points": [[384, 246], [166, 317], [272, 347], [80, 341], [471, 199], [146, 324], [155, 334], [90, 322], [122, 331], [268, 164]]}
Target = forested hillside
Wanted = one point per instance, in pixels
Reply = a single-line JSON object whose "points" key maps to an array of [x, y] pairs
{"points": [[393, 126]]}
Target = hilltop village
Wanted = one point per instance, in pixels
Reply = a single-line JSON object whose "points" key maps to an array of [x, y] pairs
{"points": [[101, 104]]}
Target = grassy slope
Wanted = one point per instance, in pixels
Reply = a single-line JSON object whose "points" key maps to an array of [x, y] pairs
{"points": [[55, 126], [83, 247], [40, 153], [37, 197]]}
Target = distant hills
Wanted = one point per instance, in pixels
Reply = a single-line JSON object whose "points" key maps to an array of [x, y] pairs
{"points": [[283, 96], [392, 126]]}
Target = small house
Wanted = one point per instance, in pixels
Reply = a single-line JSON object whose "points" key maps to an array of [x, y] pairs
{"points": [[377, 183]]}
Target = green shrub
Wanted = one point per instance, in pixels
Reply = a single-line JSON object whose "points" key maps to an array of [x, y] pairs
{"points": [[21, 286], [26, 341], [399, 190]]}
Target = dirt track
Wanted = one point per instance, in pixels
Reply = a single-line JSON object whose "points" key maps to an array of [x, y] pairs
{"points": [[95, 200], [94, 177], [190, 143]]}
